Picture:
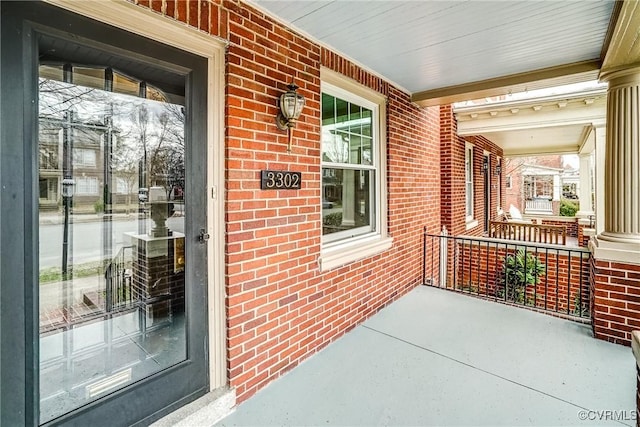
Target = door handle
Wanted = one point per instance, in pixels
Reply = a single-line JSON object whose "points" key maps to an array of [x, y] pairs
{"points": [[203, 236]]}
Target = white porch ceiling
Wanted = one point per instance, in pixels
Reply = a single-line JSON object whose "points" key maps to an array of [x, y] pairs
{"points": [[557, 124], [439, 49], [555, 140]]}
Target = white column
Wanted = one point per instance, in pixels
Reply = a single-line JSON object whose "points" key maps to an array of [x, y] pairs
{"points": [[622, 158], [557, 188], [599, 172], [584, 192], [348, 198], [621, 236]]}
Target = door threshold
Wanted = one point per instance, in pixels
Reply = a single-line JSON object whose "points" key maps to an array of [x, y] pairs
{"points": [[206, 410]]}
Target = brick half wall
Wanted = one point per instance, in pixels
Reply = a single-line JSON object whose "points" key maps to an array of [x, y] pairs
{"points": [[615, 307]]}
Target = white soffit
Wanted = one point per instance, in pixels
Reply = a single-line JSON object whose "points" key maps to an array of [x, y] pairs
{"points": [[545, 125], [425, 46], [553, 140], [558, 110]]}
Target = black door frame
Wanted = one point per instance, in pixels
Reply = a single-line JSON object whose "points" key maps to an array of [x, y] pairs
{"points": [[153, 397]]}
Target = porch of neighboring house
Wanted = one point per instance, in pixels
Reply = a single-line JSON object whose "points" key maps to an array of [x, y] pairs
{"points": [[557, 231], [435, 357]]}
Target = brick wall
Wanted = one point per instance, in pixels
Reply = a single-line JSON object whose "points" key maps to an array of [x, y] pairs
{"points": [[155, 280], [452, 155], [583, 239], [615, 308], [280, 307], [482, 145], [513, 194], [452, 173]]}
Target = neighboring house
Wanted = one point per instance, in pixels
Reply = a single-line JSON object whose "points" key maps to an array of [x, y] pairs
{"points": [[87, 164], [294, 230], [570, 181], [50, 167], [535, 185]]}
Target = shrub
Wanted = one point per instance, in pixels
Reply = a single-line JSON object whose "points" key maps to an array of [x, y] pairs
{"points": [[333, 219], [332, 222], [98, 206], [519, 270], [568, 208]]}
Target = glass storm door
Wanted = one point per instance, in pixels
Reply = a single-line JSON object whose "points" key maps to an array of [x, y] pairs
{"points": [[111, 250], [120, 199]]}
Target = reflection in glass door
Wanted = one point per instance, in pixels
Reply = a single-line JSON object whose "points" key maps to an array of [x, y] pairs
{"points": [[111, 176]]}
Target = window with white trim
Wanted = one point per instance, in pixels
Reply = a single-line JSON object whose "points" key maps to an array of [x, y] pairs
{"points": [[86, 186], [48, 188], [353, 172], [84, 157], [507, 181], [468, 181]]}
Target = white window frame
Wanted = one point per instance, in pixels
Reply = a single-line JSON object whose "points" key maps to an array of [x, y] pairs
{"points": [[335, 253], [87, 186], [52, 189], [345, 165], [85, 157], [468, 183], [507, 182]]}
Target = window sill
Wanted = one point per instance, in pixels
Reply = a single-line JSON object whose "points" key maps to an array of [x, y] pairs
{"points": [[340, 255], [471, 224]]}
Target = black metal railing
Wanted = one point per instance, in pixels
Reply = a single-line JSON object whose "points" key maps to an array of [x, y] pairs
{"points": [[542, 277], [118, 292]]}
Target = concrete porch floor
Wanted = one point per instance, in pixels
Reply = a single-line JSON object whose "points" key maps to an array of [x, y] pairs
{"points": [[439, 358]]}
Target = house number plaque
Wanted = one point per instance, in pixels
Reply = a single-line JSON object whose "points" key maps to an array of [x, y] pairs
{"points": [[280, 180]]}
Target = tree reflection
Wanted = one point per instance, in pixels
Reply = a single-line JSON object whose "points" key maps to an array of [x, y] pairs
{"points": [[137, 143]]}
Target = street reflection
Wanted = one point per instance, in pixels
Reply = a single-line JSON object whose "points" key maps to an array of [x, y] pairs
{"points": [[111, 234]]}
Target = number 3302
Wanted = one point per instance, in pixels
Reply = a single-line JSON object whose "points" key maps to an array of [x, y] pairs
{"points": [[276, 180]]}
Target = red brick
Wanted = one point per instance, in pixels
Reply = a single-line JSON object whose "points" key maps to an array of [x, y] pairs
{"points": [[192, 12], [274, 238]]}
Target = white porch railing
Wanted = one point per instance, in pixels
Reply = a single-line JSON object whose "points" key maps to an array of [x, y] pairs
{"points": [[538, 206]]}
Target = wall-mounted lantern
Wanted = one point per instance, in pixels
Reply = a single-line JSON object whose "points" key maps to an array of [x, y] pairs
{"points": [[499, 168], [291, 104]]}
